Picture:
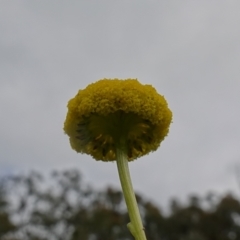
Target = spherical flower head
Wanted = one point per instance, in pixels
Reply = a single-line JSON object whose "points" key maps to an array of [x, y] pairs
{"points": [[111, 110]]}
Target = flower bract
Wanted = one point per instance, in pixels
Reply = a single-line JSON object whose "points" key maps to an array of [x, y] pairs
{"points": [[113, 109]]}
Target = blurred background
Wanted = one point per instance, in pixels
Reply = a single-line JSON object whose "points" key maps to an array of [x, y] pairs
{"points": [[188, 50]]}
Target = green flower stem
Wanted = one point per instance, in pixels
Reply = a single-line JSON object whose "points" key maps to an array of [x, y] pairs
{"points": [[135, 226]]}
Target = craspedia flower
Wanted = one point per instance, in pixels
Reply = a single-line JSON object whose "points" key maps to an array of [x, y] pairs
{"points": [[113, 109]]}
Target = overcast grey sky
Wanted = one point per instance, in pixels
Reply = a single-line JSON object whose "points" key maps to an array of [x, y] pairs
{"points": [[188, 50]]}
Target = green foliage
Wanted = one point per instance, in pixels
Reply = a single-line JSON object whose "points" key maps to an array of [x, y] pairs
{"points": [[64, 207]]}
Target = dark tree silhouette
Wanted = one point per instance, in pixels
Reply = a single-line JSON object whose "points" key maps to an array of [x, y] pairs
{"points": [[64, 207], [6, 225]]}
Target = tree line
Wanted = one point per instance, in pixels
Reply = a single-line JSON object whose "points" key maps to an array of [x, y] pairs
{"points": [[63, 207]]}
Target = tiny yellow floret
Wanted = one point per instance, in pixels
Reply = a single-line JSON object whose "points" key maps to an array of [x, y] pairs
{"points": [[113, 109]]}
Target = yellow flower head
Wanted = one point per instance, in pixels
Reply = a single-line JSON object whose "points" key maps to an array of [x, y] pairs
{"points": [[112, 109]]}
